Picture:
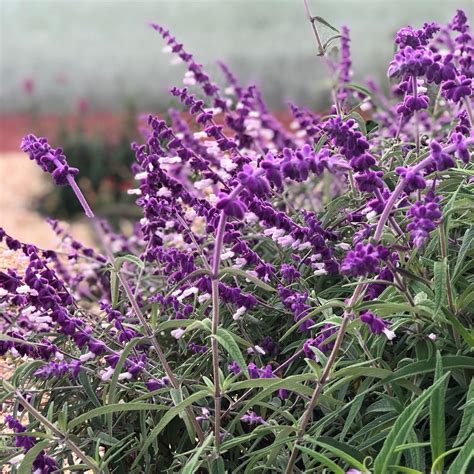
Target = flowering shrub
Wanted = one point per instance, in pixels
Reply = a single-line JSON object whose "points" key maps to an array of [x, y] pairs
{"points": [[291, 301]]}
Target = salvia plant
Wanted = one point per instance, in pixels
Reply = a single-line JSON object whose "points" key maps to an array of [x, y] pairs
{"points": [[292, 300]]}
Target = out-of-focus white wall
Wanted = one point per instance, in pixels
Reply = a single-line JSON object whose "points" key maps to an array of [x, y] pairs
{"points": [[107, 53]]}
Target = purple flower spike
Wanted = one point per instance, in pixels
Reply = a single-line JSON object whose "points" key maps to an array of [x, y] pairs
{"points": [[51, 160], [456, 90], [369, 181], [235, 368]]}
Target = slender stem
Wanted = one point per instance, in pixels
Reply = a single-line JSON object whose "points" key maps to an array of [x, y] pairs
{"points": [[467, 104], [312, 19], [149, 332], [59, 434], [358, 293], [324, 377], [215, 326], [313, 26], [80, 197], [415, 113]]}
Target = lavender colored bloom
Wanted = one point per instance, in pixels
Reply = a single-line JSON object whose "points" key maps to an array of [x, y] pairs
{"points": [[156, 384], [49, 159], [369, 181], [376, 325], [231, 207], [52, 161], [442, 160], [253, 419], [456, 90], [289, 272], [461, 148], [197, 348], [412, 104], [266, 372], [257, 185], [272, 171], [235, 368], [253, 371], [413, 180], [425, 215], [320, 341], [364, 259], [270, 346]]}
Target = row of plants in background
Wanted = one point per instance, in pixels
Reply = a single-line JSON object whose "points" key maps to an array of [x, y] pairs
{"points": [[291, 300]]}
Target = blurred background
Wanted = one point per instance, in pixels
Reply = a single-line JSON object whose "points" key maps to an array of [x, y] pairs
{"points": [[83, 71]]}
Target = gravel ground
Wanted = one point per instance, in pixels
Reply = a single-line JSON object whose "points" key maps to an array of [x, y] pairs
{"points": [[20, 182]]}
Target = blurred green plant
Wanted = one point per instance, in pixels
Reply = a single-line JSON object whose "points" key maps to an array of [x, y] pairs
{"points": [[105, 170]]}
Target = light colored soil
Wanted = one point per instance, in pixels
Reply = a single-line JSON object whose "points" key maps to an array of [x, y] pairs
{"points": [[21, 181]]}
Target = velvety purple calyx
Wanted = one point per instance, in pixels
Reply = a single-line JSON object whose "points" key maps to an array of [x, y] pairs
{"points": [[369, 181], [252, 418], [412, 104], [49, 159], [376, 324], [156, 384], [441, 159], [413, 179], [425, 215], [272, 171], [320, 341], [232, 207], [289, 272], [235, 368], [254, 183], [364, 259], [461, 148], [457, 89]]}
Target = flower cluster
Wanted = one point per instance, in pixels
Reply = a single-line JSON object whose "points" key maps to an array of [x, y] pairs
{"points": [[258, 246]]}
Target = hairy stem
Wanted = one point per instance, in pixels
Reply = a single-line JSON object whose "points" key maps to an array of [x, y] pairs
{"points": [[324, 377], [415, 113], [58, 433], [215, 326], [149, 332]]}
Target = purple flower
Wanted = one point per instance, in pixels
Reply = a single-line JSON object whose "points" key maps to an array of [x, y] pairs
{"points": [[272, 171], [231, 207], [425, 215], [456, 90], [49, 159], [364, 259], [320, 341], [289, 273], [234, 368], [253, 371], [257, 185], [461, 148], [376, 325], [442, 160], [197, 348], [156, 384], [369, 181], [413, 180], [253, 419]]}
